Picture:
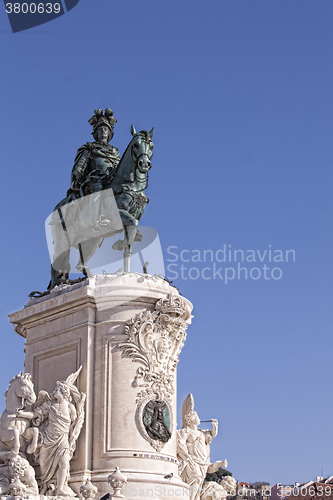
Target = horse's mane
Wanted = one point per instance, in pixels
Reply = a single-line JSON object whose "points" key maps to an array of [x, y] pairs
{"points": [[20, 376], [144, 133]]}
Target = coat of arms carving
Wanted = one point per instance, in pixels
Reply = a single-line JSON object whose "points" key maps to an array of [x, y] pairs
{"points": [[155, 339]]}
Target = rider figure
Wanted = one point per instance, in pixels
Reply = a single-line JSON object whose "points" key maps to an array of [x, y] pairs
{"points": [[94, 165]]}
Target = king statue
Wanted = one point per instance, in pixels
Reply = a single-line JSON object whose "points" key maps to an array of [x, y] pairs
{"points": [[94, 164]]}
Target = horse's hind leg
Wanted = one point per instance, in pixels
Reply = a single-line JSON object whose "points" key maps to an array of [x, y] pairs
{"points": [[60, 269], [87, 250], [32, 434]]}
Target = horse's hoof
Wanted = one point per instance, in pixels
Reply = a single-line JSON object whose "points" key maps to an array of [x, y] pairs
{"points": [[31, 448], [138, 236], [119, 245], [84, 270]]}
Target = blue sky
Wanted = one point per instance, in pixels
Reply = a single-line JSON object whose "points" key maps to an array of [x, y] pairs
{"points": [[239, 93]]}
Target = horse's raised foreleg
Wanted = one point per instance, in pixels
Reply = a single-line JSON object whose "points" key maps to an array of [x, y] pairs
{"points": [[130, 230], [32, 434]]}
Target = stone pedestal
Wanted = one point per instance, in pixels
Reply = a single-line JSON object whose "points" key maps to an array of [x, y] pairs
{"points": [[126, 331]]}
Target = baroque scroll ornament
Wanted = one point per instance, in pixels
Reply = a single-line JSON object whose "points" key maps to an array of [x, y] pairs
{"points": [[155, 340]]}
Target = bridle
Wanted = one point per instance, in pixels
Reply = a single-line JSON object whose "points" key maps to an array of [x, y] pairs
{"points": [[137, 169], [146, 179]]}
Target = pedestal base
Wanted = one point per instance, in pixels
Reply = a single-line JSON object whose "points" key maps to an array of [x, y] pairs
{"points": [[126, 330]]}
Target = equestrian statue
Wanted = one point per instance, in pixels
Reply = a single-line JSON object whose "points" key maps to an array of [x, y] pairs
{"points": [[106, 197]]}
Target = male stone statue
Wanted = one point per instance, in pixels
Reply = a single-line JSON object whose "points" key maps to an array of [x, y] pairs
{"points": [[94, 165], [193, 450]]}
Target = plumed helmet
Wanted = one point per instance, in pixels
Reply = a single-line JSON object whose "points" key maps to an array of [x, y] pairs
{"points": [[102, 120]]}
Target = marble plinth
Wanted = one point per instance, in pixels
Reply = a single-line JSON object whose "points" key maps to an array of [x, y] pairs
{"points": [[91, 324]]}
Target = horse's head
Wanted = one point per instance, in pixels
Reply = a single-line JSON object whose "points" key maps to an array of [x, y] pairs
{"points": [[23, 387], [142, 149]]}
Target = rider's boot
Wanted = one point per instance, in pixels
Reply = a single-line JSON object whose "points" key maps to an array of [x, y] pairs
{"points": [[95, 205]]}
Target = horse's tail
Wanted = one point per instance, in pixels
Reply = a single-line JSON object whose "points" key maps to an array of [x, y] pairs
{"points": [[60, 204]]}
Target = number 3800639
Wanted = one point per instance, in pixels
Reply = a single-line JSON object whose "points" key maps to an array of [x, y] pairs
{"points": [[32, 8]]}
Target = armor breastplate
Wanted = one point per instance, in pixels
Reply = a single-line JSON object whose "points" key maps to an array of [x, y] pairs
{"points": [[101, 165]]}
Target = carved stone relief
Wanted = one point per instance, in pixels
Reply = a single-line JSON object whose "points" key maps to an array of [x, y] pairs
{"points": [[155, 421], [51, 431], [155, 340]]}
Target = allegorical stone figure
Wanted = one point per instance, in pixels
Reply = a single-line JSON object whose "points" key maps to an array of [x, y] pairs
{"points": [[94, 164], [193, 449], [60, 423]]}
